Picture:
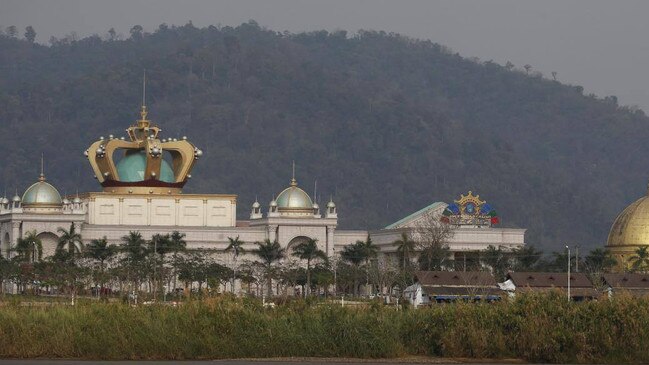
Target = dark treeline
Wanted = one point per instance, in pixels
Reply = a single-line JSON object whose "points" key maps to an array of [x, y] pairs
{"points": [[386, 124]]}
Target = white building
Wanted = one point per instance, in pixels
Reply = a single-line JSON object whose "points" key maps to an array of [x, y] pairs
{"points": [[142, 180]]}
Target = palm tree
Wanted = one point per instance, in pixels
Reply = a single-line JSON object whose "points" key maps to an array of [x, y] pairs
{"points": [[309, 251], [599, 260], [159, 245], [68, 247], [134, 248], [353, 253], [178, 244], [269, 253], [369, 250], [100, 251], [359, 252], [236, 246], [405, 247], [7, 268], [29, 248], [640, 261], [70, 239]]}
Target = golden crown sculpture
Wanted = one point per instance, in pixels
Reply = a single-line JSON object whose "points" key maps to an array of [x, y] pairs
{"points": [[469, 197], [153, 170]]}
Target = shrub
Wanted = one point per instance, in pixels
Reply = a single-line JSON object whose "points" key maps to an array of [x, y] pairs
{"points": [[538, 328]]}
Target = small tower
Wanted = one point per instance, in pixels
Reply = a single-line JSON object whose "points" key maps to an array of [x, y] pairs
{"points": [[256, 210], [67, 205], [316, 210], [16, 203], [272, 209], [332, 212], [5, 204], [77, 205]]}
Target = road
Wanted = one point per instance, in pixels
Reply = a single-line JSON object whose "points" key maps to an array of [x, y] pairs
{"points": [[310, 361]]}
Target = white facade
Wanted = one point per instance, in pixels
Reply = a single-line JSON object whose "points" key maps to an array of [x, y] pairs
{"points": [[209, 220], [188, 210], [464, 238]]}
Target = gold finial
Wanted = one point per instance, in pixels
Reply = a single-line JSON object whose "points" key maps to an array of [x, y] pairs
{"points": [[143, 112], [293, 181], [41, 177]]}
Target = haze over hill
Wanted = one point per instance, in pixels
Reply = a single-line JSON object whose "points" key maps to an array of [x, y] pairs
{"points": [[386, 124]]}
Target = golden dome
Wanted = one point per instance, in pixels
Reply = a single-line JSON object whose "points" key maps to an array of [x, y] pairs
{"points": [[631, 227]]}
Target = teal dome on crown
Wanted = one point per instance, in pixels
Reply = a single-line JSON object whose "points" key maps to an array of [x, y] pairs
{"points": [[131, 168], [294, 198], [41, 193]]}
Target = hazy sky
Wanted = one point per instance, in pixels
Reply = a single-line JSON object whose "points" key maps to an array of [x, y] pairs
{"points": [[602, 45]]}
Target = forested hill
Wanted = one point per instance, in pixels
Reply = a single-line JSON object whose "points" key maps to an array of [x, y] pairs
{"points": [[385, 123]]}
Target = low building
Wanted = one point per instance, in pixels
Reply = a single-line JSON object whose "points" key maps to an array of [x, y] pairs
{"points": [[474, 227], [632, 283], [451, 286], [581, 287]]}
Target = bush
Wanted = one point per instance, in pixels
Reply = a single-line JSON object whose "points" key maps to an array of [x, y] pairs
{"points": [[538, 328]]}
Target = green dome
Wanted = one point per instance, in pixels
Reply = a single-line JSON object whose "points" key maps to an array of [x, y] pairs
{"points": [[41, 193], [294, 198], [131, 168]]}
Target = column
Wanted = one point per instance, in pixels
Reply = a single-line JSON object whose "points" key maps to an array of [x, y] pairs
{"points": [[177, 216], [272, 232], [204, 212], [15, 234], [330, 240], [148, 211], [120, 211]]}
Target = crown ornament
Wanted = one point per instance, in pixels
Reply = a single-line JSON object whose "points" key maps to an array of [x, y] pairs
{"points": [[145, 164], [470, 210]]}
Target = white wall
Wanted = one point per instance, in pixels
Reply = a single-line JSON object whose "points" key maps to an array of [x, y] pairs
{"points": [[172, 210]]}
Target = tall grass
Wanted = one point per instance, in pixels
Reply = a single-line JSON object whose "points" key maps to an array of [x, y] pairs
{"points": [[534, 328]]}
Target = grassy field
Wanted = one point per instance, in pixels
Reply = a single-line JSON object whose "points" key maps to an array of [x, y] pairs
{"points": [[533, 328]]}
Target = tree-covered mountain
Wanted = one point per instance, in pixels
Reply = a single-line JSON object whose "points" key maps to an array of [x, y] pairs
{"points": [[386, 124]]}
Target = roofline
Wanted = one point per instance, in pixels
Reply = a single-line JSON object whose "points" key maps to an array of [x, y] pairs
{"points": [[413, 215]]}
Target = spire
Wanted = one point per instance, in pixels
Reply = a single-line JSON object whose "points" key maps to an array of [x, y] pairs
{"points": [[41, 177], [293, 181], [143, 112], [315, 190], [144, 88]]}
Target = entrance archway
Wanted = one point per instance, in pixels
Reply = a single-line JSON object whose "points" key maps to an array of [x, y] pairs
{"points": [[49, 241], [294, 242]]}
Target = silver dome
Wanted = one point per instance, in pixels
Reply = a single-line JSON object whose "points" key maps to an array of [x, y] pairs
{"points": [[41, 193]]}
